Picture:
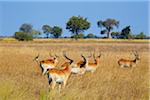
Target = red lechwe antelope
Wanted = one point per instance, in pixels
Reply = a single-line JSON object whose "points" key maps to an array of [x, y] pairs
{"points": [[47, 64], [129, 63], [60, 76], [79, 67], [92, 66]]}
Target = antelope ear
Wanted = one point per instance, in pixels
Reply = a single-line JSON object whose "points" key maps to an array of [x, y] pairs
{"points": [[36, 57]]}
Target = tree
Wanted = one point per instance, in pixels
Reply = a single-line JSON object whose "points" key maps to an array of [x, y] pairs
{"points": [[108, 24], [56, 31], [115, 34], [126, 33], [21, 36], [140, 36], [77, 25], [47, 30], [35, 33], [27, 28], [90, 35], [26, 32]]}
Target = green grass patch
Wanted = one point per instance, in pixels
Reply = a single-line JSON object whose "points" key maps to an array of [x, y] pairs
{"points": [[10, 91]]}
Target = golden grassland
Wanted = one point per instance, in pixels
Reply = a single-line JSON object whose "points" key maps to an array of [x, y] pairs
{"points": [[80, 40], [21, 79]]}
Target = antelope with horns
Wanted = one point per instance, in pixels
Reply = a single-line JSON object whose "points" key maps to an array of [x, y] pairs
{"points": [[92, 66], [60, 76], [47, 64], [79, 67], [129, 63]]}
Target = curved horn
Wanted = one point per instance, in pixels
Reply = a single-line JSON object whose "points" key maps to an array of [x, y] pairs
{"points": [[83, 58], [85, 61], [67, 58], [135, 53]]}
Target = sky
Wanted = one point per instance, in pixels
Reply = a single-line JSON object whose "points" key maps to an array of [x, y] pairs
{"points": [[40, 12]]}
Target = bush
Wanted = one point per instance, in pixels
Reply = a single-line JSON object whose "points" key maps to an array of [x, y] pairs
{"points": [[79, 36], [90, 35], [22, 36], [140, 36]]}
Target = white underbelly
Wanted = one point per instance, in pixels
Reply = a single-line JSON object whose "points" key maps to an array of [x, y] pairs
{"points": [[89, 68], [47, 66], [75, 70], [59, 80]]}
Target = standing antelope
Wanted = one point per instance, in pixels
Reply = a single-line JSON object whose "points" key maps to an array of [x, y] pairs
{"points": [[46, 64], [92, 66], [79, 68], [129, 63], [60, 76]]}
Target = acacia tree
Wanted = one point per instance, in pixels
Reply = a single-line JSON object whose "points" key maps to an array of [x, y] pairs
{"points": [[47, 30], [108, 25], [56, 31], [77, 24], [27, 28]]}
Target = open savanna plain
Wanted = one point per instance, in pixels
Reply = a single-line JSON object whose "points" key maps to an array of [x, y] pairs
{"points": [[21, 79]]}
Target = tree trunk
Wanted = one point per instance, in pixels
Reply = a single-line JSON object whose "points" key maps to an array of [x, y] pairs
{"points": [[47, 35], [76, 38], [109, 35]]}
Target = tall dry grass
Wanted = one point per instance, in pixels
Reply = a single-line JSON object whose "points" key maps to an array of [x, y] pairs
{"points": [[21, 79]]}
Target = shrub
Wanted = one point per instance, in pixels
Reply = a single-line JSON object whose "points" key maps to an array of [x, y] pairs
{"points": [[90, 35], [22, 36], [140, 36], [79, 36]]}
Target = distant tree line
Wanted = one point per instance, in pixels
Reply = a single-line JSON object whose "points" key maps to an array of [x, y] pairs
{"points": [[77, 25]]}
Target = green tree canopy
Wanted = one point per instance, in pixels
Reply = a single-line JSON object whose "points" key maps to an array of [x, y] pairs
{"points": [[126, 32], [56, 31], [35, 33], [90, 35], [26, 32], [27, 28], [108, 25], [140, 36], [77, 24], [79, 36], [115, 34], [22, 36], [47, 30]]}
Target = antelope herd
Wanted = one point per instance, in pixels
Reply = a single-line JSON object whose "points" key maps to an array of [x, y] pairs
{"points": [[60, 76]]}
